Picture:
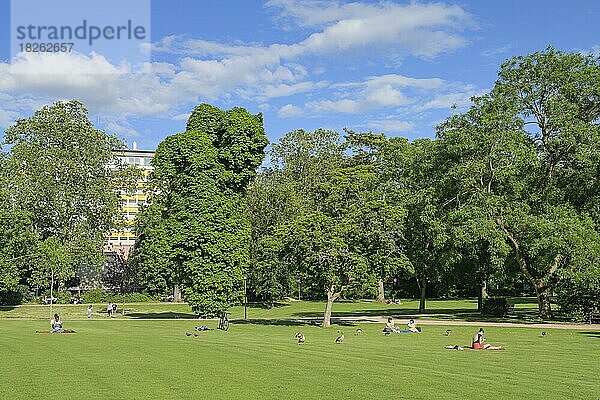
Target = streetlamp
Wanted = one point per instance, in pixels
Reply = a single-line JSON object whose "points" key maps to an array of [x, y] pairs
{"points": [[245, 295]]}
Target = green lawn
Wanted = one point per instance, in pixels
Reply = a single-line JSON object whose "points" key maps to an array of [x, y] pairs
{"points": [[141, 359], [465, 309]]}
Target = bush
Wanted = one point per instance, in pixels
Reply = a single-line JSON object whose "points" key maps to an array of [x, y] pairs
{"points": [[61, 297], [100, 296], [96, 296], [495, 307], [20, 295], [578, 293], [139, 298]]}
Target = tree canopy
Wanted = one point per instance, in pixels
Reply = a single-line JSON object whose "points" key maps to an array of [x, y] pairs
{"points": [[60, 203], [195, 233]]}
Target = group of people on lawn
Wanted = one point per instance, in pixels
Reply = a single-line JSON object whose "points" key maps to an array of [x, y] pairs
{"points": [[391, 328], [478, 342]]}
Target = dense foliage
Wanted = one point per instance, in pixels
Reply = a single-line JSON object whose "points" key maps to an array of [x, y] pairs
{"points": [[507, 193], [57, 202], [195, 233]]}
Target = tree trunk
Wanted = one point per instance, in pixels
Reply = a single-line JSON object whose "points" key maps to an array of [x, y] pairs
{"points": [[331, 297], [381, 292], [482, 295], [423, 284], [176, 294], [484, 292], [544, 307]]}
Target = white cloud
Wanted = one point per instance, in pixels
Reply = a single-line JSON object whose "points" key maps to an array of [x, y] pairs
{"points": [[121, 127], [289, 111], [492, 53], [376, 92], [204, 70], [310, 13], [459, 98], [284, 90], [424, 30], [390, 125], [181, 117], [156, 89], [103, 87]]}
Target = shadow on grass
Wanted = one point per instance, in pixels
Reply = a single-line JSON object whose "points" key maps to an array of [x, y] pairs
{"points": [[440, 313], [8, 308], [593, 334], [267, 306], [292, 322], [274, 322], [443, 314], [161, 315]]}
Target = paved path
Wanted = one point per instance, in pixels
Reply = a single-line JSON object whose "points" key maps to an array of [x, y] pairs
{"points": [[399, 321]]}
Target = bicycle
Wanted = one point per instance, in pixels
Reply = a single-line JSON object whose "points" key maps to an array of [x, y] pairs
{"points": [[223, 321]]}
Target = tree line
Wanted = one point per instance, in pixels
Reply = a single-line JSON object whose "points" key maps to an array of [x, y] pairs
{"points": [[506, 192]]}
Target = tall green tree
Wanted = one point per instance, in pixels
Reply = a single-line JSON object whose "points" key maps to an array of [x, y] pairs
{"points": [[522, 158], [60, 179], [380, 210], [197, 225], [272, 201], [17, 238], [331, 222], [150, 256]]}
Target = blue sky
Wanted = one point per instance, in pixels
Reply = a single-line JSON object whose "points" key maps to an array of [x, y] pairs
{"points": [[394, 66]]}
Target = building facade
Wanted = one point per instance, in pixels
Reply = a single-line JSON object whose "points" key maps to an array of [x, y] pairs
{"points": [[122, 241]]}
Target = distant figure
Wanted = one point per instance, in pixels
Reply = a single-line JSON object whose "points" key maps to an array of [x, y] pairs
{"points": [[479, 342], [114, 309], [56, 324], [301, 338], [412, 327], [89, 311], [340, 339], [390, 327], [109, 309]]}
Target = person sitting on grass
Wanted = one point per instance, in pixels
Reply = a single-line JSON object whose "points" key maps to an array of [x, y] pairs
{"points": [[479, 342], [390, 327], [56, 324], [412, 327]]}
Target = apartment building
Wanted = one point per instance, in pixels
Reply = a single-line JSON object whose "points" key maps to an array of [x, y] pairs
{"points": [[123, 240]]}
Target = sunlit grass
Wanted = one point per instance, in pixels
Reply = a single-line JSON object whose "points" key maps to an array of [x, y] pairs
{"points": [[141, 359]]}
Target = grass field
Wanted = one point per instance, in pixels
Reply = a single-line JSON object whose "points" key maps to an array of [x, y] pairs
{"points": [[464, 309], [129, 358]]}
